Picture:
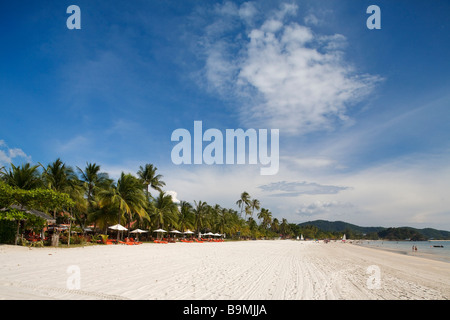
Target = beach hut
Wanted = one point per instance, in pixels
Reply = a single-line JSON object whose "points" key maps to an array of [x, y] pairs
{"points": [[49, 220]]}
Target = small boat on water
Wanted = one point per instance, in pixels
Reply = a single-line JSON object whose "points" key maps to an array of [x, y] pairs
{"points": [[438, 246]]}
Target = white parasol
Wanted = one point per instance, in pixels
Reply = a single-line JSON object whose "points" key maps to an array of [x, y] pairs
{"points": [[118, 227], [159, 230], [138, 231]]}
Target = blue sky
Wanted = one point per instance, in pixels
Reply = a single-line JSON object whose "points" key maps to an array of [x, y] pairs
{"points": [[363, 114]]}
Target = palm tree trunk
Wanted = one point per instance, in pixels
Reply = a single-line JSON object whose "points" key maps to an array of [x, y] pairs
{"points": [[17, 233], [118, 222]]}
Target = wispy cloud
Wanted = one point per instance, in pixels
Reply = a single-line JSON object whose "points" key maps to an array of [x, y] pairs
{"points": [[293, 189], [10, 155], [285, 74], [323, 207]]}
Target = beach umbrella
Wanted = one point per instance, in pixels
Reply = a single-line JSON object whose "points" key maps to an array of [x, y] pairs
{"points": [[118, 227], [138, 231], [159, 231], [188, 232], [175, 231]]}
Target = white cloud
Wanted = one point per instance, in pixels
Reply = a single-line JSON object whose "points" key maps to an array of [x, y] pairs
{"points": [[173, 194], [294, 188], [286, 75], [11, 155], [311, 19]]}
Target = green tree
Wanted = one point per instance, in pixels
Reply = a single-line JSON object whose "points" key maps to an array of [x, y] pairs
{"points": [[244, 201], [284, 228], [186, 216], [149, 178], [200, 210], [254, 204], [127, 196], [93, 182], [266, 217], [59, 177], [165, 211], [25, 177], [39, 199]]}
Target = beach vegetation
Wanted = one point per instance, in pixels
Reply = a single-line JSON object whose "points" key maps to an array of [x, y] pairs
{"points": [[88, 200]]}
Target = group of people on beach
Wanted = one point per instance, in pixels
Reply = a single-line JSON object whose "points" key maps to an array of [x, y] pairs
{"points": [[414, 248]]}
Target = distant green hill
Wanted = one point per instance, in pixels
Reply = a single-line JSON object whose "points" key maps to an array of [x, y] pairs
{"points": [[352, 230], [340, 226]]}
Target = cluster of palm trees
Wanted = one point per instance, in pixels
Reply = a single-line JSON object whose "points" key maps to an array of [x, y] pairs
{"points": [[138, 200]]}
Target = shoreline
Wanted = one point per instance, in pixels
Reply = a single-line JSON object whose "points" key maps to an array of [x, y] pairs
{"points": [[426, 255], [236, 270]]}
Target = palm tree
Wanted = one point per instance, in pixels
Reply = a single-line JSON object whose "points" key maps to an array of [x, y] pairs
{"points": [[266, 217], [275, 226], [223, 219], [244, 201], [127, 196], [149, 178], [186, 216], [59, 177], [284, 227], [24, 177], [199, 213], [165, 210], [93, 180], [254, 204]]}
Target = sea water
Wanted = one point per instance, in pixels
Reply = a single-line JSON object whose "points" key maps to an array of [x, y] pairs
{"points": [[426, 249]]}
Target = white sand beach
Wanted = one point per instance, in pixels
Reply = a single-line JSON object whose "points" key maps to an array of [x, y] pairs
{"points": [[256, 270]]}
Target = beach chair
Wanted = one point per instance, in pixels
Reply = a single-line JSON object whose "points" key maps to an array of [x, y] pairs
{"points": [[131, 241]]}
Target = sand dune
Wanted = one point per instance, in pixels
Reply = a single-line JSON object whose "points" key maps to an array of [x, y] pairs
{"points": [[256, 270]]}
